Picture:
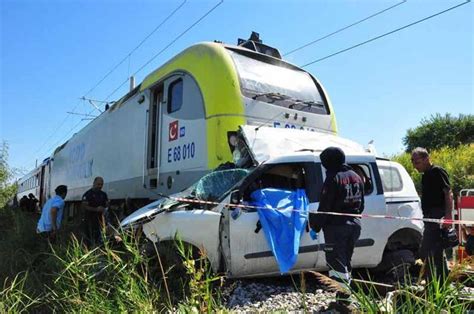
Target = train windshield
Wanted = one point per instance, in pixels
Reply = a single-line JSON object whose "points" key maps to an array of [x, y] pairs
{"points": [[278, 85]]}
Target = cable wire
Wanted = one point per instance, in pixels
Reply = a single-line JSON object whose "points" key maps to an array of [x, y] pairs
{"points": [[156, 55], [66, 136], [386, 34], [167, 46], [135, 49], [344, 28], [55, 130], [108, 73]]}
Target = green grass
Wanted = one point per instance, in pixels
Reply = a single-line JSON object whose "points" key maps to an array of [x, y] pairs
{"points": [[435, 296], [68, 277]]}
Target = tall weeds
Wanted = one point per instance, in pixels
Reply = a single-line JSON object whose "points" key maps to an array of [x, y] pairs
{"points": [[202, 283], [103, 278], [68, 277], [436, 296], [13, 296]]}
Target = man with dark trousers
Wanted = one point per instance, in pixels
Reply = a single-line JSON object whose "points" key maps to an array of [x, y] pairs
{"points": [[342, 192], [436, 202], [94, 204]]}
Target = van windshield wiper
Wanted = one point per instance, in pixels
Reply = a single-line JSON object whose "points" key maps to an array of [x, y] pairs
{"points": [[272, 96], [306, 104], [294, 102]]}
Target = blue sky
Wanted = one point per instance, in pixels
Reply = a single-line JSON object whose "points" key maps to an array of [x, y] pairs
{"points": [[53, 52]]}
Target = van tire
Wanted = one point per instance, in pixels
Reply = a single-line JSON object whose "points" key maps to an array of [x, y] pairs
{"points": [[166, 263], [395, 265]]}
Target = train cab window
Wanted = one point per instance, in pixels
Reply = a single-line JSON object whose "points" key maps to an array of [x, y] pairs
{"points": [[364, 172], [278, 83], [175, 96]]}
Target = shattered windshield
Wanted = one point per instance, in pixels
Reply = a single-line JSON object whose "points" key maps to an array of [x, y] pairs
{"points": [[209, 188], [215, 184], [279, 85]]}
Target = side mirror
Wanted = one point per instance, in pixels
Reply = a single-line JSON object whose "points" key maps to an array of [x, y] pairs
{"points": [[235, 197]]}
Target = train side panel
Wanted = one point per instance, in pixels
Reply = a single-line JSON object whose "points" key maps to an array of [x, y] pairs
{"points": [[111, 146]]}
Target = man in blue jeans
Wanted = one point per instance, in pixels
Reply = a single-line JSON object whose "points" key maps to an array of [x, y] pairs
{"points": [[52, 214]]}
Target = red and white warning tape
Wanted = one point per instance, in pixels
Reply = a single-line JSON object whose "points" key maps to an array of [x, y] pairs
{"points": [[431, 220]]}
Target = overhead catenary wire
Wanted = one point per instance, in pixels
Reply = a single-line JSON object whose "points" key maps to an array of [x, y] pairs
{"points": [[108, 74], [135, 49], [67, 134], [55, 130], [167, 46], [143, 66], [94, 100], [81, 114], [60, 125], [386, 34], [344, 28]]}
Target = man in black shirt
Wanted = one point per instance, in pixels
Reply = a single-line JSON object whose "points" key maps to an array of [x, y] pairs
{"points": [[32, 203], [436, 202], [24, 202], [94, 203], [342, 192]]}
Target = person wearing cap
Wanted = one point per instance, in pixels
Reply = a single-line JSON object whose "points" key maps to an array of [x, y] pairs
{"points": [[436, 202], [52, 214], [342, 192]]}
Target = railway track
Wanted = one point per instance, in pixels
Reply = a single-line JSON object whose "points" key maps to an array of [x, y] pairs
{"points": [[314, 293]]}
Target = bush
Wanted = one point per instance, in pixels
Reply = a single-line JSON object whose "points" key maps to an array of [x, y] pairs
{"points": [[458, 162]]}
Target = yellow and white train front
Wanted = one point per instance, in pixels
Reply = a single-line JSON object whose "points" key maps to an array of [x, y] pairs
{"points": [[276, 93]]}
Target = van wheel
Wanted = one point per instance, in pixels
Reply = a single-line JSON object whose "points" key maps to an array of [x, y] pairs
{"points": [[395, 266], [166, 263]]}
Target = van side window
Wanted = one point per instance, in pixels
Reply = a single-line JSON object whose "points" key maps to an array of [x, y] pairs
{"points": [[391, 179], [289, 176], [175, 96], [364, 172]]}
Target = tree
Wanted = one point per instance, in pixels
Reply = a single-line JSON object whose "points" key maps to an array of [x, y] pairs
{"points": [[7, 189], [440, 131]]}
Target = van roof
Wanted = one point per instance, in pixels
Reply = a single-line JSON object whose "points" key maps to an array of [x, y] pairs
{"points": [[267, 143], [306, 156]]}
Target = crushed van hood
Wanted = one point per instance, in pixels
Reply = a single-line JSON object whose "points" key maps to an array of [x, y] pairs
{"points": [[150, 210], [142, 213], [267, 142]]}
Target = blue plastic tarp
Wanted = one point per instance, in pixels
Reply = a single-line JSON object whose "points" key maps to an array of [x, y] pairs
{"points": [[283, 215]]}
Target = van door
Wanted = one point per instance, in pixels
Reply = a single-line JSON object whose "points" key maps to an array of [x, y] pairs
{"points": [[249, 250], [370, 244], [400, 193]]}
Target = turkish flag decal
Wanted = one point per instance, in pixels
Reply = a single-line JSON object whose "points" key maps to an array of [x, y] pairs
{"points": [[173, 131]]}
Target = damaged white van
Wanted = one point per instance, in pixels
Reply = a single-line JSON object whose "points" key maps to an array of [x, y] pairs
{"points": [[285, 159]]}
